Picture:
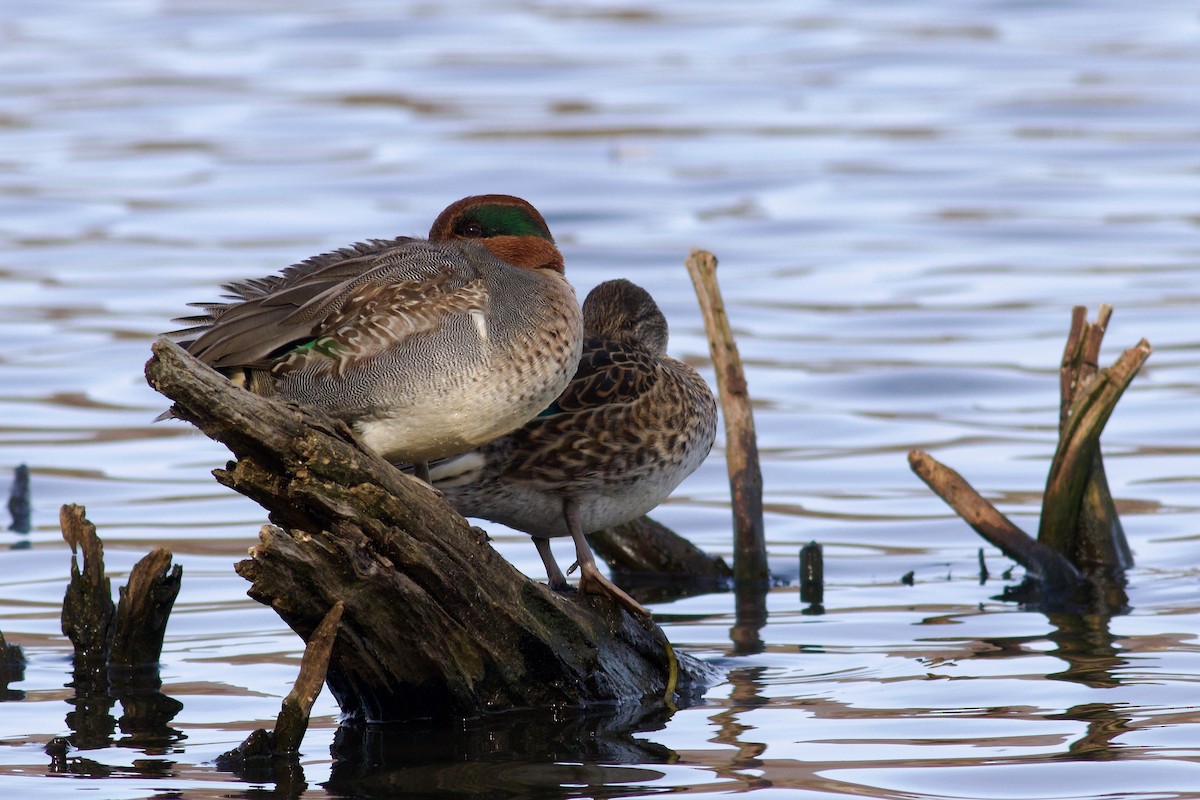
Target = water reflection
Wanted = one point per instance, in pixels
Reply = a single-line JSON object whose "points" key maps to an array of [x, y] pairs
{"points": [[1104, 724], [746, 695], [19, 506], [12, 670], [750, 615], [144, 721], [1093, 659], [514, 755], [1090, 651]]}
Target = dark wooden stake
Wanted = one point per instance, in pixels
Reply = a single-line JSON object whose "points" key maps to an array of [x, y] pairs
{"points": [[812, 578], [19, 505], [436, 622], [88, 608], [741, 444]]}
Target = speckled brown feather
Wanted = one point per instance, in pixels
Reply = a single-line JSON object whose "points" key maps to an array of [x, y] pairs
{"points": [[630, 425]]}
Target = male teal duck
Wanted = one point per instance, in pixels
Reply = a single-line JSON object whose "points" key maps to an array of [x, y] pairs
{"points": [[630, 426], [425, 347]]}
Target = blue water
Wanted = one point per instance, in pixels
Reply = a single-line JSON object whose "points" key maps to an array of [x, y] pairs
{"points": [[906, 200]]}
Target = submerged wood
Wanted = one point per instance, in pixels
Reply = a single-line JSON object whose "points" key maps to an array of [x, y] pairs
{"points": [[1080, 539], [652, 563], [741, 443], [436, 622], [646, 546]]}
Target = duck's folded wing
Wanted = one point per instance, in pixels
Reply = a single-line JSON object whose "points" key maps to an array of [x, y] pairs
{"points": [[269, 316], [377, 317], [589, 421], [609, 376]]}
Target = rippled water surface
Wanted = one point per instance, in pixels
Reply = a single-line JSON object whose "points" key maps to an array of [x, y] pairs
{"points": [[906, 198]]}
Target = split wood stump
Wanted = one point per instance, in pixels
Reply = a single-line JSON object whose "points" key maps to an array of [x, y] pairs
{"points": [[127, 635], [1080, 554], [436, 623], [117, 646]]}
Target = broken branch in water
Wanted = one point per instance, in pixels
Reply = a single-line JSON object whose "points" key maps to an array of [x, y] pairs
{"points": [[1080, 538], [274, 755], [646, 546], [989, 523]]}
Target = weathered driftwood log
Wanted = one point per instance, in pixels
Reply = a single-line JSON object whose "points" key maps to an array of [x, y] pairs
{"points": [[436, 622], [1080, 539], [741, 444]]}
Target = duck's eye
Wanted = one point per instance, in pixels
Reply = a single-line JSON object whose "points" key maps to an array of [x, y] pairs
{"points": [[473, 230]]}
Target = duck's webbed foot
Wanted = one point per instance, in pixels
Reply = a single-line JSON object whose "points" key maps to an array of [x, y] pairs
{"points": [[591, 580]]}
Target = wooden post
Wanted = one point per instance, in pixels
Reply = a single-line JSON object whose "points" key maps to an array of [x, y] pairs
{"points": [[741, 444], [812, 578]]}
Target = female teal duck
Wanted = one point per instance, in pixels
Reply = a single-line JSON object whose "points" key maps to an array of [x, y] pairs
{"points": [[427, 348], [630, 426]]}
